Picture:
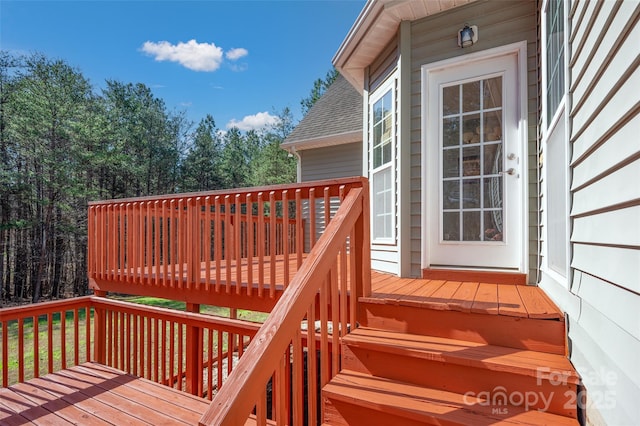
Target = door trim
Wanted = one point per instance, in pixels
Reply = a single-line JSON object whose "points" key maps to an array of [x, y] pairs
{"points": [[427, 70]]}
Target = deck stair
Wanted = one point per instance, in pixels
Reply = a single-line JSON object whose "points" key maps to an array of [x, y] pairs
{"points": [[423, 362]]}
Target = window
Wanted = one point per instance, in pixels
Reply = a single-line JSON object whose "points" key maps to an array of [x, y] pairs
{"points": [[555, 56], [555, 142], [382, 137]]}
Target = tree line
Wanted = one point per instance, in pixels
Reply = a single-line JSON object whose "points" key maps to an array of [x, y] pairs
{"points": [[64, 143]]}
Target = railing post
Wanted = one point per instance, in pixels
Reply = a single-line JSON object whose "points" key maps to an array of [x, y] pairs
{"points": [[362, 246], [100, 331], [194, 350]]}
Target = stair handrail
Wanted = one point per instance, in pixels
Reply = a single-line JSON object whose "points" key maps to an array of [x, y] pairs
{"points": [[233, 403]]}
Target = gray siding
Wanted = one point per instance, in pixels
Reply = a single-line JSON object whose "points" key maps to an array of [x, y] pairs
{"points": [[605, 121], [331, 162], [434, 39]]}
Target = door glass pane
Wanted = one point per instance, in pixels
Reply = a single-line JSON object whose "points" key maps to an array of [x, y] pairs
{"points": [[472, 161]]}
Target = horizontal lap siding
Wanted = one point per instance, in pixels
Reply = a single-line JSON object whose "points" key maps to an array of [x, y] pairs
{"points": [[331, 162], [434, 39], [605, 126]]}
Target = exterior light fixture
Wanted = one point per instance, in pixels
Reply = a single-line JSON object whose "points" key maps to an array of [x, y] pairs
{"points": [[468, 36]]}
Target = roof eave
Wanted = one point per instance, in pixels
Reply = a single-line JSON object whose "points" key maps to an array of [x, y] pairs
{"points": [[323, 141], [374, 28]]}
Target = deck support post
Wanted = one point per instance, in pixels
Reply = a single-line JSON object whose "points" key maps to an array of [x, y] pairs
{"points": [[194, 359]]}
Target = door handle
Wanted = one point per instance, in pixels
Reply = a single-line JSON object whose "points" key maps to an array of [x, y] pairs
{"points": [[510, 171]]}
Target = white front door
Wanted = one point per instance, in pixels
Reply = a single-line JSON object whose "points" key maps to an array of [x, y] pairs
{"points": [[474, 160]]}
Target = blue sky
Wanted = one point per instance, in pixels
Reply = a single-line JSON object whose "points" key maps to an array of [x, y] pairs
{"points": [[240, 61]]}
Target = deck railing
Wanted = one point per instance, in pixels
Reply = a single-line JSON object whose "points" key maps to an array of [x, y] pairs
{"points": [[185, 350], [337, 265], [195, 247], [45, 337]]}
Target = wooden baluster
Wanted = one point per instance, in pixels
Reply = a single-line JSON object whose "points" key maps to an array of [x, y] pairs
{"points": [[272, 243], [180, 356], [298, 379], [218, 241], [260, 242], [147, 263], [299, 230], [156, 349], [172, 356], [123, 339], [285, 236], [335, 320], [261, 408], [36, 346], [129, 336], [181, 239], [250, 244], [228, 243], [220, 340], [344, 289], [312, 364], [149, 348], [238, 243], [50, 342], [165, 243], [135, 339], [210, 365], [324, 338], [20, 350], [101, 242], [5, 354], [157, 237], [312, 218], [207, 242], [140, 244], [190, 241], [280, 392], [123, 241], [92, 243], [163, 353], [87, 332]]}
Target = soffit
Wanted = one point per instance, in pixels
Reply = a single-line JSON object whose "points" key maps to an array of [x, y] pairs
{"points": [[374, 28]]}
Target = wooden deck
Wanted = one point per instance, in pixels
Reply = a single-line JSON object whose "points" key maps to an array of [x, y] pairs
{"points": [[93, 394], [475, 297]]}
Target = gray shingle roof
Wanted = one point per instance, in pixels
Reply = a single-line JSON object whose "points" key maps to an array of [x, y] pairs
{"points": [[337, 112]]}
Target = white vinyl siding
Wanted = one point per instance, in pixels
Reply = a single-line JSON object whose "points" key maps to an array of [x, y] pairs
{"points": [[603, 293]]}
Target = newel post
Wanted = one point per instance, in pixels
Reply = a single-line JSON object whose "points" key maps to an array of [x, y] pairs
{"points": [[194, 351], [363, 245]]}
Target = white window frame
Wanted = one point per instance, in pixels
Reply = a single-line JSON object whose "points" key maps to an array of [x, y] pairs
{"points": [[388, 86], [549, 127]]}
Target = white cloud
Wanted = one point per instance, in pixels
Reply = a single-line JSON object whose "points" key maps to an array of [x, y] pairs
{"points": [[192, 55], [236, 53], [254, 122]]}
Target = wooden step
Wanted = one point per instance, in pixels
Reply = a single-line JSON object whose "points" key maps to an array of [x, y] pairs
{"points": [[354, 398], [497, 277], [536, 334], [549, 380]]}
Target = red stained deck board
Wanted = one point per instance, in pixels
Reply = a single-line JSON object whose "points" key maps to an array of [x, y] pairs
{"points": [[416, 403], [510, 302], [462, 299], [94, 394], [537, 303], [486, 299]]}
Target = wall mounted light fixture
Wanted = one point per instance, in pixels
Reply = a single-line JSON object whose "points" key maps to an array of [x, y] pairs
{"points": [[468, 36]]}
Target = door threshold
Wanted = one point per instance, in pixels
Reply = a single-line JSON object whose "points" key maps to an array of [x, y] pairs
{"points": [[476, 275]]}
